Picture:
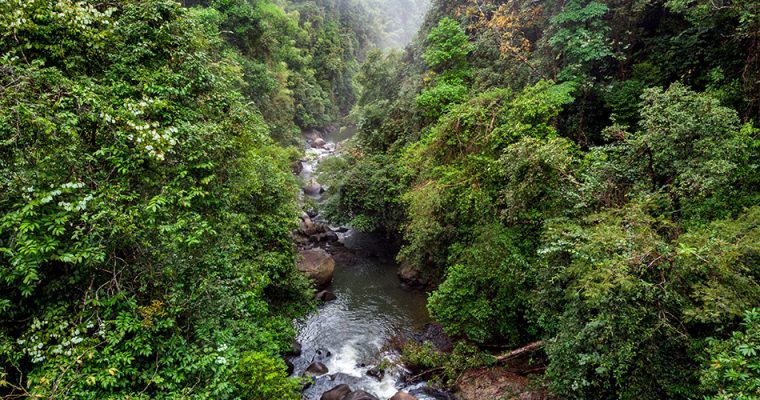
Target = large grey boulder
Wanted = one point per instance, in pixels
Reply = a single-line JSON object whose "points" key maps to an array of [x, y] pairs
{"points": [[317, 265], [360, 395], [313, 188], [336, 393], [316, 369], [318, 143]]}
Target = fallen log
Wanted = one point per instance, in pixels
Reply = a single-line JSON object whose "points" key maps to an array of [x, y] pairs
{"points": [[423, 373], [529, 348]]}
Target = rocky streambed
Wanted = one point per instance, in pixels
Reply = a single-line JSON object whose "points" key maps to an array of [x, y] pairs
{"points": [[344, 344]]}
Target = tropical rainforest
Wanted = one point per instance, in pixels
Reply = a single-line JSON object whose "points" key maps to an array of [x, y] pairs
{"points": [[579, 175]]}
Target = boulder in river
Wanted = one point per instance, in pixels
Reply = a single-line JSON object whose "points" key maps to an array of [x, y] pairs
{"points": [[336, 393], [318, 143], [308, 227], [290, 367], [317, 265], [313, 188], [331, 236], [321, 355], [326, 296], [316, 369], [403, 396], [359, 395], [376, 373]]}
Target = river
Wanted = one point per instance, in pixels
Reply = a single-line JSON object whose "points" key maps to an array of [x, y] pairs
{"points": [[349, 334]]}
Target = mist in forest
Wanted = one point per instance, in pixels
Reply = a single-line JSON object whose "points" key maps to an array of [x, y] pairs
{"points": [[399, 19]]}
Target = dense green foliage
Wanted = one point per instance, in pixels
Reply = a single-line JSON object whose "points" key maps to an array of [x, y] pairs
{"points": [[147, 200], [579, 172], [582, 172], [734, 362]]}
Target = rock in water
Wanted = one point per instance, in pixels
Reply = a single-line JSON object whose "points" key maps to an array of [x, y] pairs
{"points": [[318, 143], [403, 396], [336, 393], [316, 369], [317, 265], [360, 395], [309, 228], [290, 367], [376, 373], [326, 296], [331, 236], [313, 189]]}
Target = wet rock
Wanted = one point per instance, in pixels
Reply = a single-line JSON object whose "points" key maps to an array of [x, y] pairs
{"points": [[290, 366], [342, 229], [321, 355], [312, 213], [344, 378], [312, 231], [317, 265], [410, 277], [311, 134], [403, 396], [319, 233], [376, 373], [313, 188], [331, 236], [316, 369], [359, 395], [336, 393], [318, 143], [308, 227], [325, 383], [326, 296]]}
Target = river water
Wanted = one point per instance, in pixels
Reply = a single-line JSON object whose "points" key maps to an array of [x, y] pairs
{"points": [[349, 334]]}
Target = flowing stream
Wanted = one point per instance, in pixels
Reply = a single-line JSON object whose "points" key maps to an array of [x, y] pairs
{"points": [[349, 334]]}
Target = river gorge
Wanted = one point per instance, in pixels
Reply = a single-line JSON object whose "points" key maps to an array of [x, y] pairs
{"points": [[349, 334]]}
